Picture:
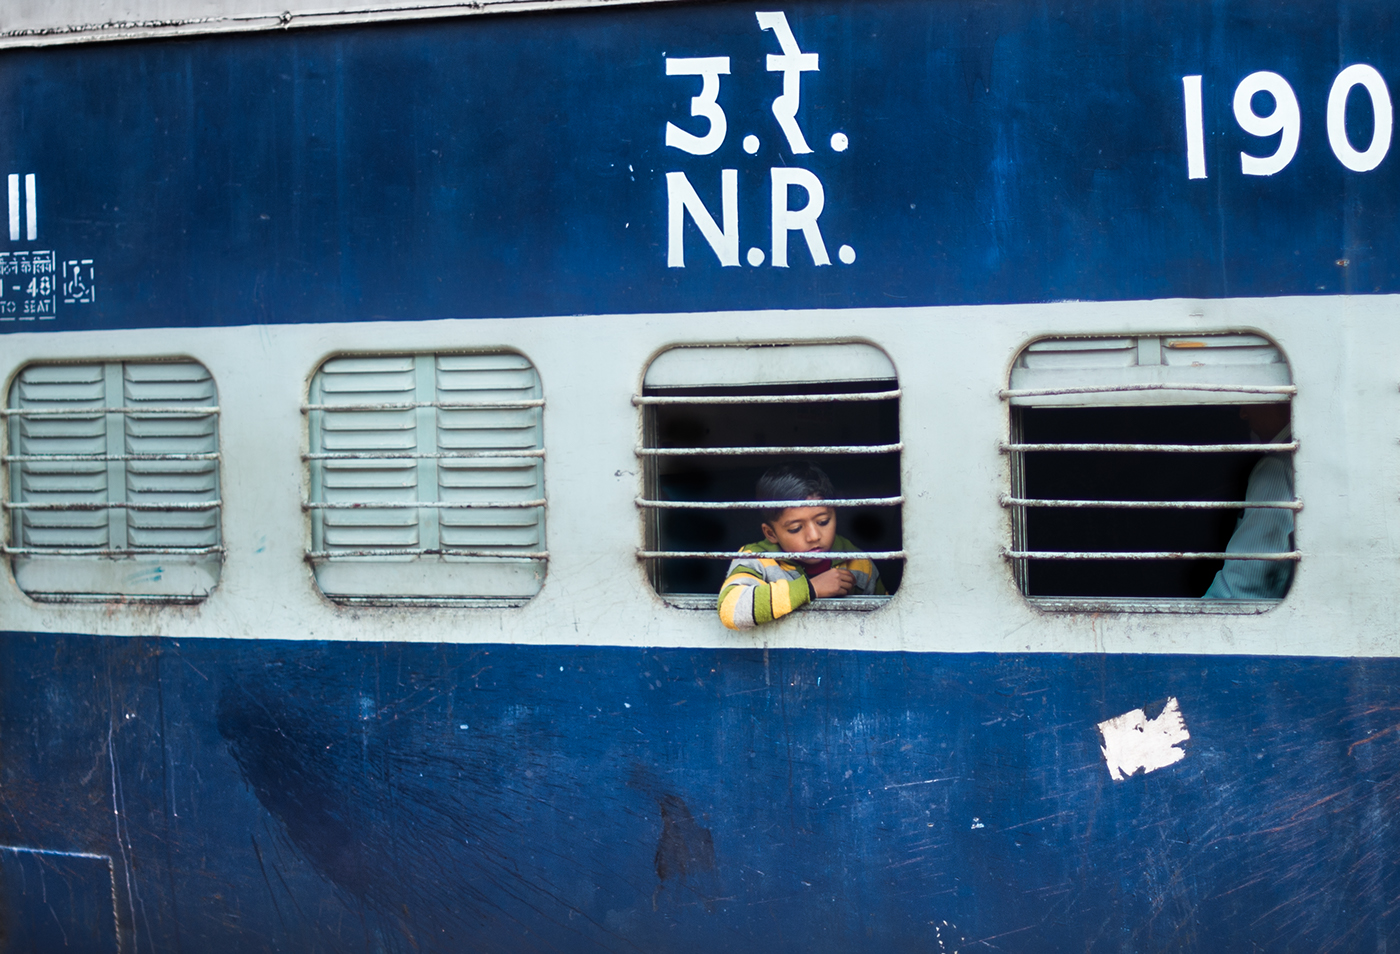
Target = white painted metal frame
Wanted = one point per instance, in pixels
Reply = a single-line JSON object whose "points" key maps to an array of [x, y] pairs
{"points": [[63, 560], [388, 535], [714, 366], [1181, 387]]}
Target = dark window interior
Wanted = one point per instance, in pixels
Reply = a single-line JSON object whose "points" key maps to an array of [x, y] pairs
{"points": [[1129, 476], [733, 478]]}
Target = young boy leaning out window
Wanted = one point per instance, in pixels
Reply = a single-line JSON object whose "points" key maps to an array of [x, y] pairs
{"points": [[760, 589]]}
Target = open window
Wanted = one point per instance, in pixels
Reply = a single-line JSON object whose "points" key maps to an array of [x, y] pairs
{"points": [[715, 418], [114, 481], [1134, 463], [427, 477]]}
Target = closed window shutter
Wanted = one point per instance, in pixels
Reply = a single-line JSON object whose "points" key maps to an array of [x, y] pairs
{"points": [[114, 480], [174, 470], [482, 378], [46, 477], [368, 437], [450, 447]]}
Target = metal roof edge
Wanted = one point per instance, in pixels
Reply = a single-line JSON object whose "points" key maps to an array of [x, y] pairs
{"points": [[256, 22]]}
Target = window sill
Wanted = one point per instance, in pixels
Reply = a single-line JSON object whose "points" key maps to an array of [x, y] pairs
{"points": [[141, 599], [139, 578], [846, 604], [1198, 607], [451, 602]]}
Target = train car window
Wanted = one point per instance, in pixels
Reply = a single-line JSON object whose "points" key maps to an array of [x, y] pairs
{"points": [[427, 477], [1153, 468], [114, 481], [715, 418]]}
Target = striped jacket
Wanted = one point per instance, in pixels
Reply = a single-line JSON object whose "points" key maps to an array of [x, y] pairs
{"points": [[761, 589]]}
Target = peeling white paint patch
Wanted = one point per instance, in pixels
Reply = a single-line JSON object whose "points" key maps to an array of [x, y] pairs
{"points": [[1132, 741]]}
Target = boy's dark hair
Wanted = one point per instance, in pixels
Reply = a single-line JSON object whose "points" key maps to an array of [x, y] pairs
{"points": [[798, 481]]}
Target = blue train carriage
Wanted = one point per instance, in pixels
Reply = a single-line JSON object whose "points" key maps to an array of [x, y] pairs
{"points": [[383, 396]]}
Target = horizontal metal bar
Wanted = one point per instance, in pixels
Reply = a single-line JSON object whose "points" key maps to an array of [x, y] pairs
{"points": [[407, 455], [107, 551], [475, 602], [317, 556], [411, 405], [425, 505], [767, 504], [754, 451], [99, 411], [1280, 557], [114, 505], [97, 458], [846, 604], [645, 400], [837, 555], [1157, 448], [1281, 389], [1155, 605], [1156, 504]]}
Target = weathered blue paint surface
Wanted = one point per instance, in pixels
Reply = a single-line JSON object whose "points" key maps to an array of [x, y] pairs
{"points": [[263, 795], [56, 901], [507, 166]]}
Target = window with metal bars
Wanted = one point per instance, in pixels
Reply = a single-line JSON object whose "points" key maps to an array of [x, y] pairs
{"points": [[114, 480], [715, 418], [1135, 469], [427, 477]]}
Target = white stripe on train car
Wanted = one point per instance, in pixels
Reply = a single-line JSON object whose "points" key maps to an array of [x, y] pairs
{"points": [[958, 594]]}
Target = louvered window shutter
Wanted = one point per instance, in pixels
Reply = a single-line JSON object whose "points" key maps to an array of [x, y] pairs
{"points": [[427, 477], [1116, 372], [114, 480]]}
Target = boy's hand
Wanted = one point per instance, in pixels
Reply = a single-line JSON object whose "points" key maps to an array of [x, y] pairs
{"points": [[836, 581]]}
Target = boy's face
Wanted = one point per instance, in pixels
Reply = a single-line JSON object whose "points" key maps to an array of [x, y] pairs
{"points": [[803, 529]]}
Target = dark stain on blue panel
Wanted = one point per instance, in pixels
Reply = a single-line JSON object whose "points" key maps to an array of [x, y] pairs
{"points": [[999, 151], [685, 848], [292, 769], [262, 795]]}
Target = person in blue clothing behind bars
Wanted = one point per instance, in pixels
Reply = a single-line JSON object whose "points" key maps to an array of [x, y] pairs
{"points": [[1261, 530]]}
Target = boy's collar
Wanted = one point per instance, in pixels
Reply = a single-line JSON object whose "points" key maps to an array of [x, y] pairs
{"points": [[839, 545], [767, 546]]}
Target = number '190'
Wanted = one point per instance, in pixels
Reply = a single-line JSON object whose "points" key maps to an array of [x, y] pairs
{"points": [[1285, 118]]}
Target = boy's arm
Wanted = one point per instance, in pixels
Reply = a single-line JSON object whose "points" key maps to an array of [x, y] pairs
{"points": [[870, 583], [746, 601]]}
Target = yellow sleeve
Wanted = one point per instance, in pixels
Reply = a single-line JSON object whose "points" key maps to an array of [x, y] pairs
{"points": [[746, 601]]}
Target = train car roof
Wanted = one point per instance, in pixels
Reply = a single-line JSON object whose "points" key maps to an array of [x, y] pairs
{"points": [[27, 23]]}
